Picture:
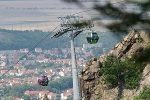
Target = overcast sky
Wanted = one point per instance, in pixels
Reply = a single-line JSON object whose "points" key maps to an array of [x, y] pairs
{"points": [[20, 11]]}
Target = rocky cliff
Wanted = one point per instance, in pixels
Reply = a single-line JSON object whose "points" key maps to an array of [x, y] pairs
{"points": [[91, 84]]}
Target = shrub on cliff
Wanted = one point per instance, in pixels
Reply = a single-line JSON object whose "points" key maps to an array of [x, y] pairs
{"points": [[127, 73], [144, 95], [113, 71]]}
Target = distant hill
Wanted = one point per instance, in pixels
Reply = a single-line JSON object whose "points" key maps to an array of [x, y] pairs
{"points": [[14, 40]]}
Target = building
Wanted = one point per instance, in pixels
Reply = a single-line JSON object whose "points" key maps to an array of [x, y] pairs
{"points": [[85, 46], [67, 94], [38, 50]]}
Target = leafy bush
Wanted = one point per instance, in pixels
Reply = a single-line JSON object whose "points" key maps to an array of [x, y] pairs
{"points": [[117, 72], [140, 39], [144, 95], [126, 72], [112, 71], [142, 56]]}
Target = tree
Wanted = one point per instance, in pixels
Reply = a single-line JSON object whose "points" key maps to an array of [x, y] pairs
{"points": [[125, 73], [66, 65], [127, 20], [113, 71], [68, 55], [26, 97], [50, 64], [60, 52], [9, 98]]}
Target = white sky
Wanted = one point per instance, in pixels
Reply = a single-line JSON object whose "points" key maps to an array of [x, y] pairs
{"points": [[9, 18]]}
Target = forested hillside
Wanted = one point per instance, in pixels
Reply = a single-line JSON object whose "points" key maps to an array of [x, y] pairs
{"points": [[56, 86], [14, 40]]}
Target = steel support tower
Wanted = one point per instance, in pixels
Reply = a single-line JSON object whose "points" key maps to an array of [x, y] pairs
{"points": [[73, 34], [76, 88]]}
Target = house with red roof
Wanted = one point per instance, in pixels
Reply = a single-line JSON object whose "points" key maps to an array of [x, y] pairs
{"points": [[32, 93], [12, 72], [38, 49], [86, 54], [30, 71], [41, 58], [67, 94], [51, 96], [79, 63], [14, 83], [32, 80], [17, 98], [3, 71], [22, 70], [3, 67], [37, 94], [17, 66]]}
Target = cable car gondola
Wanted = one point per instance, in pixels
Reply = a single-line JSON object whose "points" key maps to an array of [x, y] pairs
{"points": [[43, 81], [92, 37]]}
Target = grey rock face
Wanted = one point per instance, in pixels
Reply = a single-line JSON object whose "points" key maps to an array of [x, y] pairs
{"points": [[92, 86]]}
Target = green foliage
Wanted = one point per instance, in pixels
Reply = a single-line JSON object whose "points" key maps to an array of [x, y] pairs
{"points": [[70, 98], [31, 66], [50, 64], [56, 66], [144, 95], [9, 98], [118, 72], [61, 84], [143, 55], [80, 25], [148, 34], [26, 97], [66, 65], [140, 39], [113, 71], [56, 86], [13, 40], [99, 96], [133, 72]]}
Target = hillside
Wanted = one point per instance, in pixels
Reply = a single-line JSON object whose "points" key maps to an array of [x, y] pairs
{"points": [[122, 73], [14, 40]]}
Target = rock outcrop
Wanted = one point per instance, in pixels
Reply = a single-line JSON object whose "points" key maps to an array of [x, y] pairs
{"points": [[89, 77], [92, 86]]}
